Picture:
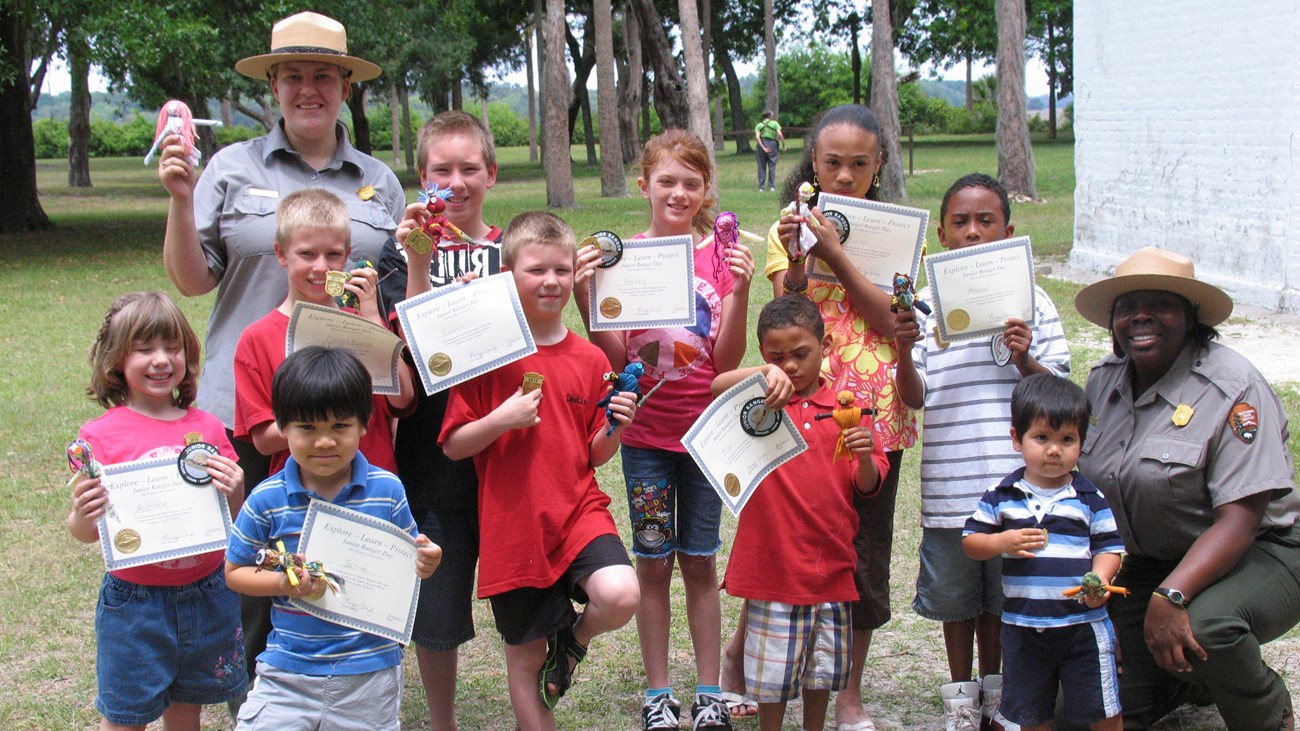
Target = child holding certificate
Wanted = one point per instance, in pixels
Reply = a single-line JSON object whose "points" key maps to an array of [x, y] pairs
{"points": [[1058, 539], [549, 539], [313, 669], [455, 152], [312, 235], [674, 511], [843, 156], [797, 624], [145, 365], [966, 388]]}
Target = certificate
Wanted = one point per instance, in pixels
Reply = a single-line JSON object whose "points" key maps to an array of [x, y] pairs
{"points": [[977, 288], [374, 563], [378, 349], [880, 239], [652, 286], [460, 331], [734, 459], [155, 515]]}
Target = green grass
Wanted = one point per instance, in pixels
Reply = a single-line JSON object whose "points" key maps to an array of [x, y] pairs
{"points": [[108, 240]]}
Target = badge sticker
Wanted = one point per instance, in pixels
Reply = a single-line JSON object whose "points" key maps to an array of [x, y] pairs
{"points": [[938, 338], [334, 282], [193, 438], [193, 463], [419, 242], [610, 245], [1182, 415], [757, 419], [1001, 351], [366, 192], [1244, 420], [840, 223], [532, 382]]}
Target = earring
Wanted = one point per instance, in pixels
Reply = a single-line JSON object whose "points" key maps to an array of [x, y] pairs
{"points": [[876, 183], [816, 184]]}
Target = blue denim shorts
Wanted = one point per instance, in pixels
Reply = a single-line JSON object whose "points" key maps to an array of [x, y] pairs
{"points": [[951, 586], [671, 504], [158, 645]]}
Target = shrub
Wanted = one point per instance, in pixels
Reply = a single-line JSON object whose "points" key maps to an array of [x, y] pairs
{"points": [[508, 129], [237, 133], [51, 138]]}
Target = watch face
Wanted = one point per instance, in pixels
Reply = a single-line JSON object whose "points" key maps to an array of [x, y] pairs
{"points": [[1177, 597]]}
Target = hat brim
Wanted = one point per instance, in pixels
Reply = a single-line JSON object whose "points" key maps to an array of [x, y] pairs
{"points": [[1094, 301], [256, 67]]}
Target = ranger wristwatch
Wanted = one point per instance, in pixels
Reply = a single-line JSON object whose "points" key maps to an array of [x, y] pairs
{"points": [[1174, 596]]}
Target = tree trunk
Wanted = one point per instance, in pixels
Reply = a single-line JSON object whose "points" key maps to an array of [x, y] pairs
{"points": [[457, 96], [408, 148], [630, 82], [483, 114], [584, 60], [22, 210], [697, 80], [79, 116], [588, 130], [395, 116], [884, 101], [670, 90], [1051, 76], [970, 86], [1015, 154], [532, 95], [539, 22], [227, 113], [773, 99], [360, 124], [613, 184], [855, 56], [735, 97], [555, 128]]}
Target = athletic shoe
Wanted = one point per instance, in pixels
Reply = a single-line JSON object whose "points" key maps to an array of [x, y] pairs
{"points": [[991, 692], [661, 713], [961, 706], [709, 711]]}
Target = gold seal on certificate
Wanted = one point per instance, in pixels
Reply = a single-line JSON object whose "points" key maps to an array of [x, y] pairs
{"points": [[419, 242], [126, 540], [440, 364], [958, 320], [732, 484], [611, 308], [334, 282], [532, 382]]}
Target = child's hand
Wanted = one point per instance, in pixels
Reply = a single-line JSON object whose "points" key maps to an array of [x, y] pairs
{"points": [[1023, 542], [907, 331], [520, 410], [89, 499], [365, 284], [466, 278], [428, 555], [227, 475], [589, 258], [1095, 602], [414, 218], [779, 387], [787, 230], [741, 262], [175, 170], [307, 586], [623, 408], [1018, 338], [859, 440]]}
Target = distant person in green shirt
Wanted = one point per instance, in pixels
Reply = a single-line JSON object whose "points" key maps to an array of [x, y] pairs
{"points": [[770, 142]]}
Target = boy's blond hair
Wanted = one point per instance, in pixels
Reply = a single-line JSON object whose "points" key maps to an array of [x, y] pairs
{"points": [[535, 227], [312, 208], [134, 318], [454, 123]]}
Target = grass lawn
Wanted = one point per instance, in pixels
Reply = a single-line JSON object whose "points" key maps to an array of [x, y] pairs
{"points": [[108, 241]]}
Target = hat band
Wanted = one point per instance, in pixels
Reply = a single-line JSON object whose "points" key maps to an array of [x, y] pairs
{"points": [[308, 49]]}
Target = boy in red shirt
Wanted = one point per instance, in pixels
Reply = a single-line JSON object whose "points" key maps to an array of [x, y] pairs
{"points": [[797, 628], [549, 539]]}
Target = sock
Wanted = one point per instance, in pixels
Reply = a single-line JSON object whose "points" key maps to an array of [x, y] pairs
{"points": [[713, 690], [652, 693]]}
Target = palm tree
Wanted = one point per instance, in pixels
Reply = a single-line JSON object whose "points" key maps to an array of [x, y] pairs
{"points": [[1015, 154]]}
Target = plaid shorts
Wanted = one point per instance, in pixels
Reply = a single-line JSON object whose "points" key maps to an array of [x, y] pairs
{"points": [[790, 647]]}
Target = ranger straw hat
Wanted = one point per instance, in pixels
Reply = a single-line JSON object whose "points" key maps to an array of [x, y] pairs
{"points": [[308, 36], [1152, 268]]}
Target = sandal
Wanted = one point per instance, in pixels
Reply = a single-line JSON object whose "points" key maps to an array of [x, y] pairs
{"points": [[555, 669]]}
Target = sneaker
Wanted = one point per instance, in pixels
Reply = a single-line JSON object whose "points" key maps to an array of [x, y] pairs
{"points": [[710, 711], [661, 713], [992, 718], [961, 706]]}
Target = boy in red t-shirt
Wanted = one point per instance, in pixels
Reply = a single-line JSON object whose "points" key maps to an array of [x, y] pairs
{"points": [[797, 629], [312, 237], [549, 539]]}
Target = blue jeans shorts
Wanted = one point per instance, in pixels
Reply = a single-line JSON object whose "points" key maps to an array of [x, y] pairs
{"points": [[671, 504], [951, 586], [159, 645]]}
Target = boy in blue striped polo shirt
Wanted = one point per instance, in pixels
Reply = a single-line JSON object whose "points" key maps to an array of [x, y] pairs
{"points": [[1051, 526]]}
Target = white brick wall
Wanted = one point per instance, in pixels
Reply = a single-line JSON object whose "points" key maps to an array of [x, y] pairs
{"points": [[1187, 129]]}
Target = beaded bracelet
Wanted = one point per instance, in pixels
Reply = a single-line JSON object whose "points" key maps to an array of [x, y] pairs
{"points": [[798, 289]]}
